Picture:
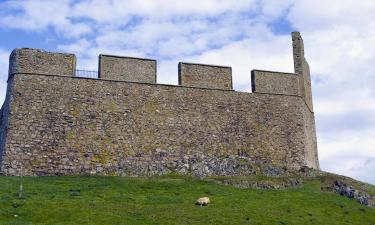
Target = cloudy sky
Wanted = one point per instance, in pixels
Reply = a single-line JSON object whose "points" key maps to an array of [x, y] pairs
{"points": [[339, 40]]}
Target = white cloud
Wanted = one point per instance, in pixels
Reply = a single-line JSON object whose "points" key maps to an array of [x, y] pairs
{"points": [[262, 52], [265, 51], [106, 11], [4, 64], [273, 9], [79, 48], [349, 152], [99, 15], [34, 15], [315, 15]]}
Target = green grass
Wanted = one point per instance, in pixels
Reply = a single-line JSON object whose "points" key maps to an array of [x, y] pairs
{"points": [[169, 200]]}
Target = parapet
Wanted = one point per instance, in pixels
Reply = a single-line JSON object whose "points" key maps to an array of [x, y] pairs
{"points": [[127, 69], [36, 61], [205, 76], [130, 69], [274, 82]]}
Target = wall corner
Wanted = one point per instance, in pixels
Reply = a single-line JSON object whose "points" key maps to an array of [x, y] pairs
{"points": [[270, 82], [301, 67]]}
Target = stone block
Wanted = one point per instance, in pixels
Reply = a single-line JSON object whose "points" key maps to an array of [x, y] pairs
{"points": [[274, 82], [205, 76], [36, 61], [127, 69]]}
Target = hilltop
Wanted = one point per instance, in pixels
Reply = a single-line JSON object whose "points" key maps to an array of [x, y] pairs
{"points": [[170, 200]]}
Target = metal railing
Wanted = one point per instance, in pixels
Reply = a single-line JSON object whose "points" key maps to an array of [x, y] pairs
{"points": [[87, 73]]}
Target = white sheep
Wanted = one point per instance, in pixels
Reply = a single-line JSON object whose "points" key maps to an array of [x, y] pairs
{"points": [[203, 201]]}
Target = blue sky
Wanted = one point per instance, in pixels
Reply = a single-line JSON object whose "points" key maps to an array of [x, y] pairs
{"points": [[339, 40]]}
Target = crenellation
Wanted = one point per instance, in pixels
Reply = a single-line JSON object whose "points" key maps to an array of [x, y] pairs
{"points": [[205, 76], [270, 82], [36, 61], [126, 124], [127, 69]]}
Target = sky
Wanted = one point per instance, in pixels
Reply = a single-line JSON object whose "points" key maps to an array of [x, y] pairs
{"points": [[339, 38]]}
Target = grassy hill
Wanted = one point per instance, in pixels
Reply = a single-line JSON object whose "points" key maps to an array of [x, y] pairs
{"points": [[170, 200]]}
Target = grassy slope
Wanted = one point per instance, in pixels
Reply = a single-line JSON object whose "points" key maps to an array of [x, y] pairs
{"points": [[168, 200]]}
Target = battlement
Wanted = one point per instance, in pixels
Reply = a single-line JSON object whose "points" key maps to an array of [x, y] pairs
{"points": [[271, 82], [36, 61], [131, 69], [127, 69], [205, 76], [53, 122]]}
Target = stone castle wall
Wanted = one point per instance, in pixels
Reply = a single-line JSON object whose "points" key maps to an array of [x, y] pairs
{"points": [[55, 123]]}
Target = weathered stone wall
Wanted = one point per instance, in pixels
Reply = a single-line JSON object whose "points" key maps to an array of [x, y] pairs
{"points": [[123, 123], [274, 82], [205, 76], [4, 115], [61, 125], [302, 68], [311, 153], [25, 60], [269, 82], [127, 69]]}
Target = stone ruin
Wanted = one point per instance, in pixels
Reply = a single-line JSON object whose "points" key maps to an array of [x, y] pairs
{"points": [[124, 123]]}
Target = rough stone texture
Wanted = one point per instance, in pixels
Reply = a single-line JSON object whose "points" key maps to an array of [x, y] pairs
{"points": [[302, 68], [36, 61], [4, 115], [205, 76], [348, 191], [54, 124], [127, 69], [274, 82], [61, 125], [311, 148]]}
